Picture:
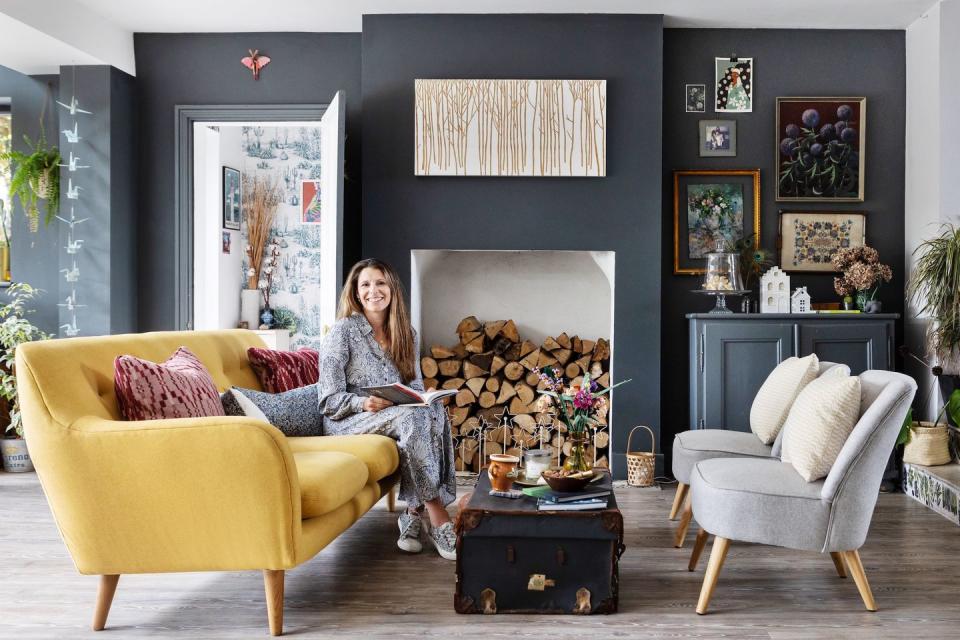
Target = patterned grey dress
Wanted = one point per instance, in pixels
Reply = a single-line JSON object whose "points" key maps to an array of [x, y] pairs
{"points": [[350, 359]]}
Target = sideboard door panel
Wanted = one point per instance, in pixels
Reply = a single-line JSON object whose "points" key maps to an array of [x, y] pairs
{"points": [[737, 358], [859, 345]]}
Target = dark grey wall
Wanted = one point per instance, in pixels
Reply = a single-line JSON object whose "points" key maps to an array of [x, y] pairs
{"points": [[33, 256], [304, 68], [788, 63], [106, 146], [619, 212]]}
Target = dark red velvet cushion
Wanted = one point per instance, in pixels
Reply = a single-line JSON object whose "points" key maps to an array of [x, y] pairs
{"points": [[281, 371]]}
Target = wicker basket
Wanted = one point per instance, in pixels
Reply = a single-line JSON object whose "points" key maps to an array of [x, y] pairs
{"points": [[929, 444], [641, 465]]}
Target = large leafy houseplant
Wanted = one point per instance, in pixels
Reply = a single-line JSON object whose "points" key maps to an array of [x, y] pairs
{"points": [[935, 288], [36, 177], [15, 330]]}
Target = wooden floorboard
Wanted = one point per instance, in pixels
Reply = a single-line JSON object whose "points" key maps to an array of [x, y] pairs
{"points": [[363, 587]]}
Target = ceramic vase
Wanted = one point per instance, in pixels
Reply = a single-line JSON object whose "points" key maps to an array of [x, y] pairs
{"points": [[250, 307]]}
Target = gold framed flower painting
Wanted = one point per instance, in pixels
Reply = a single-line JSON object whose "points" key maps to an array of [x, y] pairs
{"points": [[809, 240]]}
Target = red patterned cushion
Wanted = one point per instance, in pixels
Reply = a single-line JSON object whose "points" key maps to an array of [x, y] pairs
{"points": [[281, 371], [181, 387]]}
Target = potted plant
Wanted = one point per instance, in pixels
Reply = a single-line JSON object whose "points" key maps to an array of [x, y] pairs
{"points": [[15, 330], [935, 289], [36, 177], [861, 274]]}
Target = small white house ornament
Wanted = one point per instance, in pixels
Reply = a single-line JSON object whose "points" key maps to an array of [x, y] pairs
{"points": [[800, 301], [774, 291]]}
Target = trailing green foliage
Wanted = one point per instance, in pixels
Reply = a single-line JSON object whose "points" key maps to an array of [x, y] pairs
{"points": [[15, 330], [36, 177]]}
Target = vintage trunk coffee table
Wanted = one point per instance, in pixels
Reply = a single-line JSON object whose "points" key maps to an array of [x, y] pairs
{"points": [[512, 558]]}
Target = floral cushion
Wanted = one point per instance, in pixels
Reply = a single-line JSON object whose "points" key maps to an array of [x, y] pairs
{"points": [[180, 387], [295, 412], [280, 371]]}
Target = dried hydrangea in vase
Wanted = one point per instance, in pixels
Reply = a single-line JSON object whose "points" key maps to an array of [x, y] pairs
{"points": [[861, 276]]}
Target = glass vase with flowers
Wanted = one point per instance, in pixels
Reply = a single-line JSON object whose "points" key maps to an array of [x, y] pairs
{"points": [[577, 407]]}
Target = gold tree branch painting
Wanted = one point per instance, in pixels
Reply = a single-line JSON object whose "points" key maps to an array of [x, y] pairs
{"points": [[511, 128]]}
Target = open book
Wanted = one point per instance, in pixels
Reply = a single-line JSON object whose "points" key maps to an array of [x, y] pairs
{"points": [[402, 394]]}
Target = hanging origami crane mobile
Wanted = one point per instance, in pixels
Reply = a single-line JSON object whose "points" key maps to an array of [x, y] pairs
{"points": [[255, 62]]}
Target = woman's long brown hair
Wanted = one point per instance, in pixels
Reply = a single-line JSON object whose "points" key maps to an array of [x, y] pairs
{"points": [[398, 328]]}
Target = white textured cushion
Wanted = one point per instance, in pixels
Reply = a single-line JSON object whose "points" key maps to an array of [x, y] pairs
{"points": [[772, 402], [819, 424]]}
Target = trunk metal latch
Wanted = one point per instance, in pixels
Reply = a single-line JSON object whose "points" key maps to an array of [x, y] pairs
{"points": [[539, 582]]}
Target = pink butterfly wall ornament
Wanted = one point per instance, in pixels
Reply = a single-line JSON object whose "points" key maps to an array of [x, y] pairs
{"points": [[255, 62]]}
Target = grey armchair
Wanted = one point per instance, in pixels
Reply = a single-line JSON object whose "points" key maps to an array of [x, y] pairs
{"points": [[766, 501], [691, 447]]}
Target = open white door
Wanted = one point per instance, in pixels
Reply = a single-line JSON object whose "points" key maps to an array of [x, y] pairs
{"points": [[332, 133]]}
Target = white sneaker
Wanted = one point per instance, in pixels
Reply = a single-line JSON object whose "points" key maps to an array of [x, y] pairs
{"points": [[409, 539], [444, 538]]}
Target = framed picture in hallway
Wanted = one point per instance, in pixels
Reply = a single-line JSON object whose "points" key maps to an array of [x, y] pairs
{"points": [[231, 198], [310, 202], [808, 239], [709, 206]]}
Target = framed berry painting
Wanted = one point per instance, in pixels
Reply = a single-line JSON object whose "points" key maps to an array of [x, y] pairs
{"points": [[821, 149]]}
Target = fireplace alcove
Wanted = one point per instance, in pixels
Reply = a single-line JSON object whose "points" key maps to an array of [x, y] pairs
{"points": [[544, 292]]}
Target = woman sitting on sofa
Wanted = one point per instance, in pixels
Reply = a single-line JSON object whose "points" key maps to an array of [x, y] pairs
{"points": [[372, 343]]}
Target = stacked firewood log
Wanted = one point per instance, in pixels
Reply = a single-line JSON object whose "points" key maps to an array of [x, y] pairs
{"points": [[497, 408]]}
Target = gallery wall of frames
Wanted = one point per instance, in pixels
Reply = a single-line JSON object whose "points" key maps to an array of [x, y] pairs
{"points": [[821, 130]]}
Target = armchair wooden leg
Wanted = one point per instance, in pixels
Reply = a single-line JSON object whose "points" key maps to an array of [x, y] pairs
{"points": [[678, 499], [860, 577], [838, 563], [392, 499], [717, 555], [698, 546], [684, 524], [108, 586], [273, 585]]}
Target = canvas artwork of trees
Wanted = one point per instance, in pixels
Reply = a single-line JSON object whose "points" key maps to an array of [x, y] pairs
{"points": [[511, 127]]}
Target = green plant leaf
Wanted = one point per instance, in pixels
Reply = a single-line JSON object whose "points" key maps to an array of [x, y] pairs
{"points": [[904, 436]]}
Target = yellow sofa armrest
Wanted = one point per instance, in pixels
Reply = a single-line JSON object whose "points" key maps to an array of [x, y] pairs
{"points": [[193, 494]]}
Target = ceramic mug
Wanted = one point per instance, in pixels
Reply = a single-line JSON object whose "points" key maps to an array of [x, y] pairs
{"points": [[502, 471]]}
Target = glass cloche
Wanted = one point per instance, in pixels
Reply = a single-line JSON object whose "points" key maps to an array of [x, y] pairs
{"points": [[722, 277]]}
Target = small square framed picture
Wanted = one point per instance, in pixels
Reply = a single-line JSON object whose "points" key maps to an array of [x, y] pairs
{"points": [[696, 98], [718, 138]]}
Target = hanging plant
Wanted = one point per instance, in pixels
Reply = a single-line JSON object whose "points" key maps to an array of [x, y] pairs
{"points": [[36, 177]]}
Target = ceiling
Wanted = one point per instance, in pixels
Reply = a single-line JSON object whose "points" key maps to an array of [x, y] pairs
{"points": [[327, 15], [41, 35]]}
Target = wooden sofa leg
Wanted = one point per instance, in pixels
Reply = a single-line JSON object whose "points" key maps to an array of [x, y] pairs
{"points": [[860, 577], [684, 524], [698, 546], [273, 585], [838, 563], [717, 555], [678, 499], [392, 499], [108, 586]]}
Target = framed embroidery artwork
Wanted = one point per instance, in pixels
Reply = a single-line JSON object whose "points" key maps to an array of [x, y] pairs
{"points": [[808, 240]]}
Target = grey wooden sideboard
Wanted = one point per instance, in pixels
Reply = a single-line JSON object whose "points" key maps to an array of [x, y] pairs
{"points": [[731, 355]]}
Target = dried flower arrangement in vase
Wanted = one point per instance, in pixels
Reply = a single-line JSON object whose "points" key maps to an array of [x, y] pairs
{"points": [[261, 196]]}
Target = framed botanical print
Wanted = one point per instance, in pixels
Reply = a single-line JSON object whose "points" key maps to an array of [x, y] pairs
{"points": [[717, 137], [231, 198], [709, 206], [696, 98], [808, 240], [821, 148]]}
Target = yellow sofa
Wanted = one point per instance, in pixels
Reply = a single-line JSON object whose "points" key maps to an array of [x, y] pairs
{"points": [[192, 494]]}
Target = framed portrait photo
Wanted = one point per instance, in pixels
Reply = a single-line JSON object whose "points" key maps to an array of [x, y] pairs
{"points": [[231, 198], [310, 202], [821, 149], [709, 206], [809, 239], [696, 96], [718, 138], [734, 85]]}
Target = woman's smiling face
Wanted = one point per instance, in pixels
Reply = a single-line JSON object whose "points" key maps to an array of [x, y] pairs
{"points": [[373, 291]]}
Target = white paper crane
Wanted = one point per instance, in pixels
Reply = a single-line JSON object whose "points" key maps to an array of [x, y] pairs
{"points": [[73, 107]]}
